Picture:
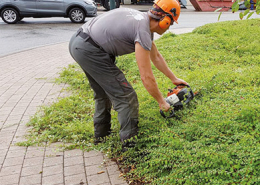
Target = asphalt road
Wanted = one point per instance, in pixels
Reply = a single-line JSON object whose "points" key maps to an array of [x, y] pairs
{"points": [[31, 33], [36, 32]]}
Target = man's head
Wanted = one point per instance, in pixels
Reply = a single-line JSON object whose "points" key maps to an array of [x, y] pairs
{"points": [[166, 12]]}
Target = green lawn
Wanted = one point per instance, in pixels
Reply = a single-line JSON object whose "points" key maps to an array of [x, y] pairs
{"points": [[213, 141]]}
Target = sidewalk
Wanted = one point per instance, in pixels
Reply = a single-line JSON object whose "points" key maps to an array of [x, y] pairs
{"points": [[26, 82]]}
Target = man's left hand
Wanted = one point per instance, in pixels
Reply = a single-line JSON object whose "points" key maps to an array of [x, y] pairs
{"points": [[179, 81]]}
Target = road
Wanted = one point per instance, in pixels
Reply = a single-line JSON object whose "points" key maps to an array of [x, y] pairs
{"points": [[36, 32], [32, 33]]}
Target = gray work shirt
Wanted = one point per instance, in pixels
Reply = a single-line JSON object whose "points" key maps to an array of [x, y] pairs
{"points": [[118, 30]]}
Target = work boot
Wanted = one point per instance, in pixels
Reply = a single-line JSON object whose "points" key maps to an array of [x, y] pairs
{"points": [[99, 140], [127, 144], [102, 139]]}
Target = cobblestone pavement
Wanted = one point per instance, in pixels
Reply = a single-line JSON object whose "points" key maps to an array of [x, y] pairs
{"points": [[26, 82]]}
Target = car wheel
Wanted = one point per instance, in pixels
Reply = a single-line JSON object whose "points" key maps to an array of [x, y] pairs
{"points": [[10, 16], [77, 15], [106, 4]]}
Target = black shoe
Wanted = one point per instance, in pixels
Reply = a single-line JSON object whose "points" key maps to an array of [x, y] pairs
{"points": [[127, 144], [102, 139], [99, 140]]}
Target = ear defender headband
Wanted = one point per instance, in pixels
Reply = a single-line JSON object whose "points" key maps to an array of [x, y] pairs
{"points": [[165, 18]]}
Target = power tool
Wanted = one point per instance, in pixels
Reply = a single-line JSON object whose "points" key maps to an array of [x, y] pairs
{"points": [[177, 98]]}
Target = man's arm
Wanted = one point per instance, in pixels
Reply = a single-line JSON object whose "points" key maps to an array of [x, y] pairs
{"points": [[160, 64], [147, 77]]}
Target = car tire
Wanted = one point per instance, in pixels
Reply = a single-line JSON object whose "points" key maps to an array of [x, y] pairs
{"points": [[77, 15], [106, 4], [10, 16]]}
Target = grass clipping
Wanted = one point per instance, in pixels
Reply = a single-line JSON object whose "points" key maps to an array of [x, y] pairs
{"points": [[214, 141]]}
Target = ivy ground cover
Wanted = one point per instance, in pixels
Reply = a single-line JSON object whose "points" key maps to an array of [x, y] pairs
{"points": [[214, 140]]}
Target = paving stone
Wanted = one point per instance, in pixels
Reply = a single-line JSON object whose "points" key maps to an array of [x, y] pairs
{"points": [[12, 147], [73, 170], [51, 152], [35, 153], [113, 169], [33, 161], [52, 161], [6, 138], [94, 169], [4, 144], [13, 161], [94, 160], [18, 139], [73, 153], [53, 179], [108, 162], [3, 152], [16, 153], [31, 170], [30, 180], [98, 179], [92, 154], [33, 148], [57, 145], [18, 110], [73, 161], [10, 179], [79, 179], [6, 134], [3, 147], [116, 180], [11, 170], [53, 170]]}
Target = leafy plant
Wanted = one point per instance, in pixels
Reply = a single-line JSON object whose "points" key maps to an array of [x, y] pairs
{"points": [[247, 13]]}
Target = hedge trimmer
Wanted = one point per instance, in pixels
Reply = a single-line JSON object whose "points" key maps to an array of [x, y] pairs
{"points": [[177, 98]]}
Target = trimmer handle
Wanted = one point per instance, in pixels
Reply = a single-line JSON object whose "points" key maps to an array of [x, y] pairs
{"points": [[191, 93], [171, 111], [172, 114]]}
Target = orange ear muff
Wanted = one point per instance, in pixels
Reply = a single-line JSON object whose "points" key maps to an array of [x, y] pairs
{"points": [[165, 22]]}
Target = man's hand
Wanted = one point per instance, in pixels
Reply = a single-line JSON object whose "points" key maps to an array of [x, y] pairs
{"points": [[179, 81], [164, 106]]}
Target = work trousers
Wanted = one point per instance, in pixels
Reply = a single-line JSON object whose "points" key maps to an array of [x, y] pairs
{"points": [[110, 89]]}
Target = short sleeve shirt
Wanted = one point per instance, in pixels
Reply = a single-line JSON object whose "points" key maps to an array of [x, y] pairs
{"points": [[118, 30]]}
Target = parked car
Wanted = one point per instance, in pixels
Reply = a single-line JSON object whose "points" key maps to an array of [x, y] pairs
{"points": [[12, 11]]}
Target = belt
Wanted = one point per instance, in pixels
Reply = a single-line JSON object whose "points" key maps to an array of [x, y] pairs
{"points": [[88, 38]]}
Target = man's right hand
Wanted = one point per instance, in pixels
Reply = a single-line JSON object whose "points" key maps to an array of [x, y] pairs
{"points": [[164, 106]]}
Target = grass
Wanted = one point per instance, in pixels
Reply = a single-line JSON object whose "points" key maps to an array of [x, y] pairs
{"points": [[214, 141]]}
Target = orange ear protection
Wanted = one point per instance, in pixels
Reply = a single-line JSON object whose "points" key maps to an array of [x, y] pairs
{"points": [[172, 9], [166, 21]]}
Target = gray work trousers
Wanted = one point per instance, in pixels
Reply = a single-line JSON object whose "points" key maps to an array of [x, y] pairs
{"points": [[110, 88]]}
